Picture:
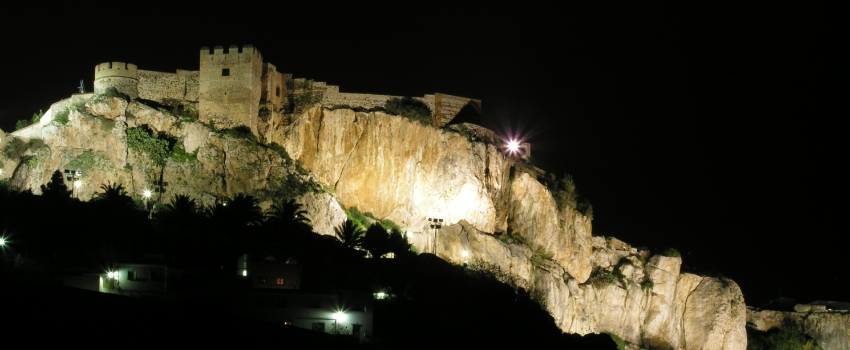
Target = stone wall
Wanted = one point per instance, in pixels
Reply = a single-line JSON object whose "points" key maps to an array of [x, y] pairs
{"points": [[446, 107], [122, 76], [230, 86], [161, 87]]}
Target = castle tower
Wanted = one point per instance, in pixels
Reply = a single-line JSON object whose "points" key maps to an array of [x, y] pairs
{"points": [[230, 87], [124, 77]]}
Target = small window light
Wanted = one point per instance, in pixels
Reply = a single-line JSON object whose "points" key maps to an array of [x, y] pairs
{"points": [[244, 273]]}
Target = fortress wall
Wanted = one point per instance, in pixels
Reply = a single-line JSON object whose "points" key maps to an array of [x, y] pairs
{"points": [[122, 76], [192, 81], [446, 107], [230, 86], [160, 86], [274, 89]]}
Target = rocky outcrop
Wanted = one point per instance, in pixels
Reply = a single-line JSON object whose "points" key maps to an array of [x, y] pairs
{"points": [[408, 172], [831, 330]]}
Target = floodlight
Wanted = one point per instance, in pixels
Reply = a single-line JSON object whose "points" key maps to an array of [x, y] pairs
{"points": [[465, 253], [340, 316], [77, 184], [244, 273], [381, 295], [146, 193], [111, 274], [2, 242], [513, 146]]}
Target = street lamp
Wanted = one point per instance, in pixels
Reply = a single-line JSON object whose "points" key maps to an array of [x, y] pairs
{"points": [[513, 146], [436, 224], [2, 242]]}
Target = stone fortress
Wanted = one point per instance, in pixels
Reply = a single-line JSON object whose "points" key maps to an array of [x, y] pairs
{"points": [[234, 87]]}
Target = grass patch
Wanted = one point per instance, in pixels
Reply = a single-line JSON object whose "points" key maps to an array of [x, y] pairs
{"points": [[539, 256], [89, 161]]}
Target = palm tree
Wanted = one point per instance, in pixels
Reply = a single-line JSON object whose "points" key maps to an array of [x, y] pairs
{"points": [[242, 210], [182, 207], [350, 234], [115, 195], [289, 217]]}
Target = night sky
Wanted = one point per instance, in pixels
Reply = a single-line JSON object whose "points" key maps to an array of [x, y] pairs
{"points": [[712, 129]]}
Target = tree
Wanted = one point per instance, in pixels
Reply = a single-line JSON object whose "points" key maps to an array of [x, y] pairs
{"points": [[181, 209], [289, 217], [377, 240], [240, 211], [350, 234], [114, 195], [56, 188]]}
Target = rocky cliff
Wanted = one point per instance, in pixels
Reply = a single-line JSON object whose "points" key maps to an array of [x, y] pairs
{"points": [[405, 171], [831, 330]]}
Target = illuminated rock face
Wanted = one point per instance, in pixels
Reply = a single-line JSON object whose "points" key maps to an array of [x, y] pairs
{"points": [[404, 171], [407, 172]]}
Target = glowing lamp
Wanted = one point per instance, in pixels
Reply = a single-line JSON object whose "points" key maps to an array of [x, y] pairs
{"points": [[244, 273], [2, 242], [111, 274], [465, 253], [146, 193], [340, 316], [513, 146], [77, 184]]}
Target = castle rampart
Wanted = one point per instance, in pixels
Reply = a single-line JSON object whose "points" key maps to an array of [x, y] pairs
{"points": [[166, 88], [230, 86], [124, 77], [234, 87]]}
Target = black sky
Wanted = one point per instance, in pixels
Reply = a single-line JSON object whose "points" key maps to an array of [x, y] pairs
{"points": [[710, 128]]}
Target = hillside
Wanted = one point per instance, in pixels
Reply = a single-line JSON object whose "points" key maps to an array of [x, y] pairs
{"points": [[497, 216]]}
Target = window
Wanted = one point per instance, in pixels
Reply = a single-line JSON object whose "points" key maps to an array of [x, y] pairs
{"points": [[279, 281], [131, 276], [319, 326], [262, 280], [225, 72], [277, 91]]}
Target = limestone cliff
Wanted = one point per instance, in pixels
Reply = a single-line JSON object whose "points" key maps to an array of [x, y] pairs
{"points": [[405, 171], [831, 330], [408, 172]]}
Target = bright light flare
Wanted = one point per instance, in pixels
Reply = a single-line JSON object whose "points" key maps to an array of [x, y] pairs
{"points": [[465, 253], [146, 193], [111, 274], [2, 242], [340, 316], [513, 146], [77, 184]]}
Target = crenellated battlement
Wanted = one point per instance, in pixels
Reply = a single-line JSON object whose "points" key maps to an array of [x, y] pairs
{"points": [[232, 52], [116, 69]]}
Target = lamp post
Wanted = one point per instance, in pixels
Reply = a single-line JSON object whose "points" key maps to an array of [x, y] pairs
{"points": [[436, 224]]}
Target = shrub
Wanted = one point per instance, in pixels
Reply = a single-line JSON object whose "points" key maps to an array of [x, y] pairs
{"points": [[15, 149], [602, 277], [179, 154], [621, 344], [241, 132], [647, 283], [539, 256], [280, 151], [157, 149], [23, 123], [355, 216], [509, 239], [411, 108], [671, 252]]}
